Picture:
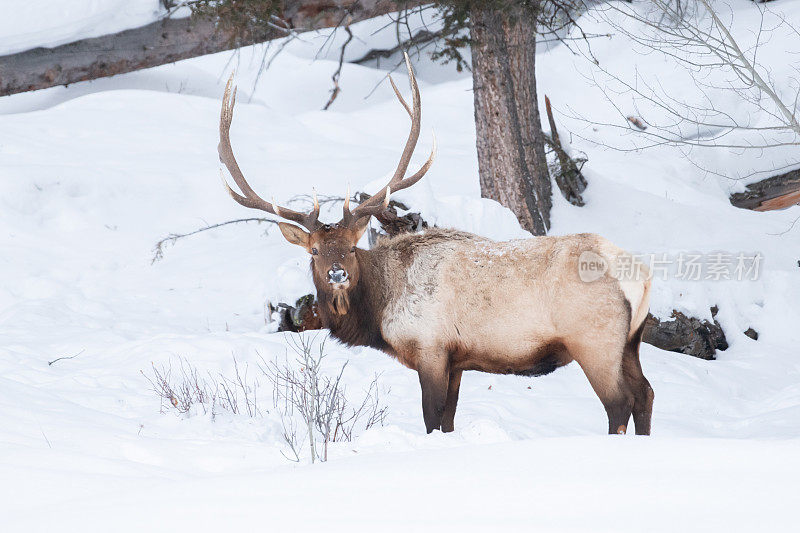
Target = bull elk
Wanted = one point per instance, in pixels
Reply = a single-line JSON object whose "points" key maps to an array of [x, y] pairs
{"points": [[445, 301]]}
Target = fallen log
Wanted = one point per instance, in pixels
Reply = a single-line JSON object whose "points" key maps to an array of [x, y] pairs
{"points": [[776, 192], [685, 334], [167, 41], [299, 317]]}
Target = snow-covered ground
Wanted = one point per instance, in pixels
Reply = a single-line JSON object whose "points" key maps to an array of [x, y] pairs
{"points": [[91, 176]]}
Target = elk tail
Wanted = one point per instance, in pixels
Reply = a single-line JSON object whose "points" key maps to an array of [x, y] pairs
{"points": [[639, 314]]}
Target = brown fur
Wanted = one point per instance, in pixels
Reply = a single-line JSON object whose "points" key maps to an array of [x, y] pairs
{"points": [[541, 361], [360, 326]]}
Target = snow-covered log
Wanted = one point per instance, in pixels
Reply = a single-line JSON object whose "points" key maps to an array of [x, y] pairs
{"points": [[165, 41], [685, 334]]}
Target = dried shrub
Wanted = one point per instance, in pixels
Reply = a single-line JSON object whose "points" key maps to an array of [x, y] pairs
{"points": [[186, 389], [313, 405]]}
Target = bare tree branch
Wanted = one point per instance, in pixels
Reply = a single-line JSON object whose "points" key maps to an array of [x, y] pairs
{"points": [[158, 249]]}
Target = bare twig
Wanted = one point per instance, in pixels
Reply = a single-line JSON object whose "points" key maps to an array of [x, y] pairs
{"points": [[419, 38], [322, 199], [750, 68], [49, 363], [705, 47], [336, 89], [158, 249]]}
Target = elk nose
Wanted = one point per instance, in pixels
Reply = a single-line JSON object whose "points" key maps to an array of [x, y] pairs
{"points": [[337, 274]]}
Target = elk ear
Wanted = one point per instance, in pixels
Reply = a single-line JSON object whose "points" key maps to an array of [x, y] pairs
{"points": [[294, 234]]}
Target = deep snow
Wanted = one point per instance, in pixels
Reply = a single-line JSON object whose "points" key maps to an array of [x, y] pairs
{"points": [[91, 176]]}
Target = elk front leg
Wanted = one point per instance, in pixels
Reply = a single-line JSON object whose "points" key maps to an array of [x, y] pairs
{"points": [[448, 419], [434, 380]]}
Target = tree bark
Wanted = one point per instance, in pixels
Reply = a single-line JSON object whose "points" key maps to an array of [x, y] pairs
{"points": [[166, 41], [511, 159]]}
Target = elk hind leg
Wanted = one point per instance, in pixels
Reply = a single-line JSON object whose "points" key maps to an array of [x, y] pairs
{"points": [[642, 391], [618, 402], [606, 377]]}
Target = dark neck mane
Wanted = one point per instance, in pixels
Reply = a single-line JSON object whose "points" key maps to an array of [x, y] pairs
{"points": [[360, 326]]}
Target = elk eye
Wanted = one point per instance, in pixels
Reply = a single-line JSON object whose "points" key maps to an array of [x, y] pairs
{"points": [[314, 251], [353, 250]]}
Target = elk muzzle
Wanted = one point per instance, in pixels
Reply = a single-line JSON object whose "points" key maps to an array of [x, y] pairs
{"points": [[338, 277]]}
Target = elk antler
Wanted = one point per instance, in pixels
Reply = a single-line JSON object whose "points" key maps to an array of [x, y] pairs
{"points": [[378, 203], [250, 198]]}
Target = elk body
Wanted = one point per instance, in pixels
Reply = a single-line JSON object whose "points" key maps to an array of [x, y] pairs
{"points": [[445, 301]]}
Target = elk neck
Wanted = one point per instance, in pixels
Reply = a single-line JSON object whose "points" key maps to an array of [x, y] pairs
{"points": [[360, 324]]}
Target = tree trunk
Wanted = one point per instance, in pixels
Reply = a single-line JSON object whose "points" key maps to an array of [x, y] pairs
{"points": [[166, 41], [511, 159]]}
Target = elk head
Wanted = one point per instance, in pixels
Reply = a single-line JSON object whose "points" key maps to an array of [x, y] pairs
{"points": [[334, 258]]}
